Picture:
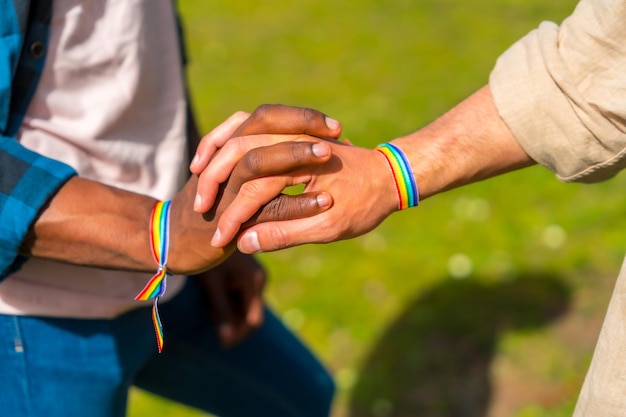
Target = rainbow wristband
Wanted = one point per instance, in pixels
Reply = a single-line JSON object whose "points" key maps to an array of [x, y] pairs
{"points": [[406, 186], [159, 242]]}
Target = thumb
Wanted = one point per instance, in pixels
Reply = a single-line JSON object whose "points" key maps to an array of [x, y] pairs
{"points": [[271, 236]]}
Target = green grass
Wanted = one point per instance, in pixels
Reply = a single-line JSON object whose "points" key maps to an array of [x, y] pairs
{"points": [[487, 298]]}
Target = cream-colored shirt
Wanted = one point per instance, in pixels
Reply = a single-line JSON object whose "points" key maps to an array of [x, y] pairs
{"points": [[562, 92], [111, 104]]}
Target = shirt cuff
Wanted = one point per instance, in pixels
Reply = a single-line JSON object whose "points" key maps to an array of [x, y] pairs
{"points": [[558, 91], [27, 182]]}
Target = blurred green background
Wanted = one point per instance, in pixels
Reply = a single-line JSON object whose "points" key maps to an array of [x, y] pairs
{"points": [[485, 301]]}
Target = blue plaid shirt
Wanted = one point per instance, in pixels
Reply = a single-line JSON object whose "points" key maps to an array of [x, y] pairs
{"points": [[27, 180]]}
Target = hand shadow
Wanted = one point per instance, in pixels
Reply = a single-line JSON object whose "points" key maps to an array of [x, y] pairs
{"points": [[434, 359]]}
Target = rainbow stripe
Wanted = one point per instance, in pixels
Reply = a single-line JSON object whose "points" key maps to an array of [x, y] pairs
{"points": [[406, 186], [155, 287], [159, 243], [158, 327]]}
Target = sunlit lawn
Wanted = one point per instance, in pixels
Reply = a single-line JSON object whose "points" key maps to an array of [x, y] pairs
{"points": [[487, 299]]}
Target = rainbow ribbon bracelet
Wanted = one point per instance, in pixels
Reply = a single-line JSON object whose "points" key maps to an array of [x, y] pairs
{"points": [[406, 185], [159, 242]]}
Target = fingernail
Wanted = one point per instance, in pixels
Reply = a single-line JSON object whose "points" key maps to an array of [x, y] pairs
{"points": [[320, 150], [194, 160], [323, 200], [332, 123], [249, 242], [197, 202], [215, 240]]}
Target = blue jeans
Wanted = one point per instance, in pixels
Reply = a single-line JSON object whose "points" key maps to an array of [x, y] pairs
{"points": [[83, 368]]}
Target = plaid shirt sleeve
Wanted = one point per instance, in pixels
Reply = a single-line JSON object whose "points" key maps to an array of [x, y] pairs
{"points": [[27, 181]]}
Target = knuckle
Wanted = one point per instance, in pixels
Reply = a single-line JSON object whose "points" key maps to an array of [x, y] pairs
{"points": [[252, 161], [250, 190], [301, 151], [240, 145], [293, 207], [304, 205], [275, 210], [277, 207], [309, 115], [278, 237], [263, 112], [233, 145]]}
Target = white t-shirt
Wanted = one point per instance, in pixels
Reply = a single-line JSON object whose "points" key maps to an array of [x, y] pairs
{"points": [[111, 104]]}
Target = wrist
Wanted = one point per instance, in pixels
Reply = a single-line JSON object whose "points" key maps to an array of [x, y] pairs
{"points": [[190, 235], [469, 143]]}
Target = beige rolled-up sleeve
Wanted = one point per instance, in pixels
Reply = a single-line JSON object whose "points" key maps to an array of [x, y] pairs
{"points": [[562, 92]]}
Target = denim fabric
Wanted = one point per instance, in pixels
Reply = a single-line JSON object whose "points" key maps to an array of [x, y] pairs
{"points": [[84, 368]]}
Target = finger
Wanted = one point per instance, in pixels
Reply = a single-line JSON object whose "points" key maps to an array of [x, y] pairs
{"points": [[250, 205], [256, 312], [251, 196], [220, 308], [271, 236], [246, 280], [252, 292], [225, 161], [291, 207], [214, 140], [281, 158], [280, 119]]}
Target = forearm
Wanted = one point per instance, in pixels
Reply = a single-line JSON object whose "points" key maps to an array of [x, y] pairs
{"points": [[467, 144], [88, 223]]}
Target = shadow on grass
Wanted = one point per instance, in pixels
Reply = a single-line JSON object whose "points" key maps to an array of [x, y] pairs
{"points": [[434, 359]]}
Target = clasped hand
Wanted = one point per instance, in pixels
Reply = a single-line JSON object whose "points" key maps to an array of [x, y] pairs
{"points": [[284, 147], [358, 180]]}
